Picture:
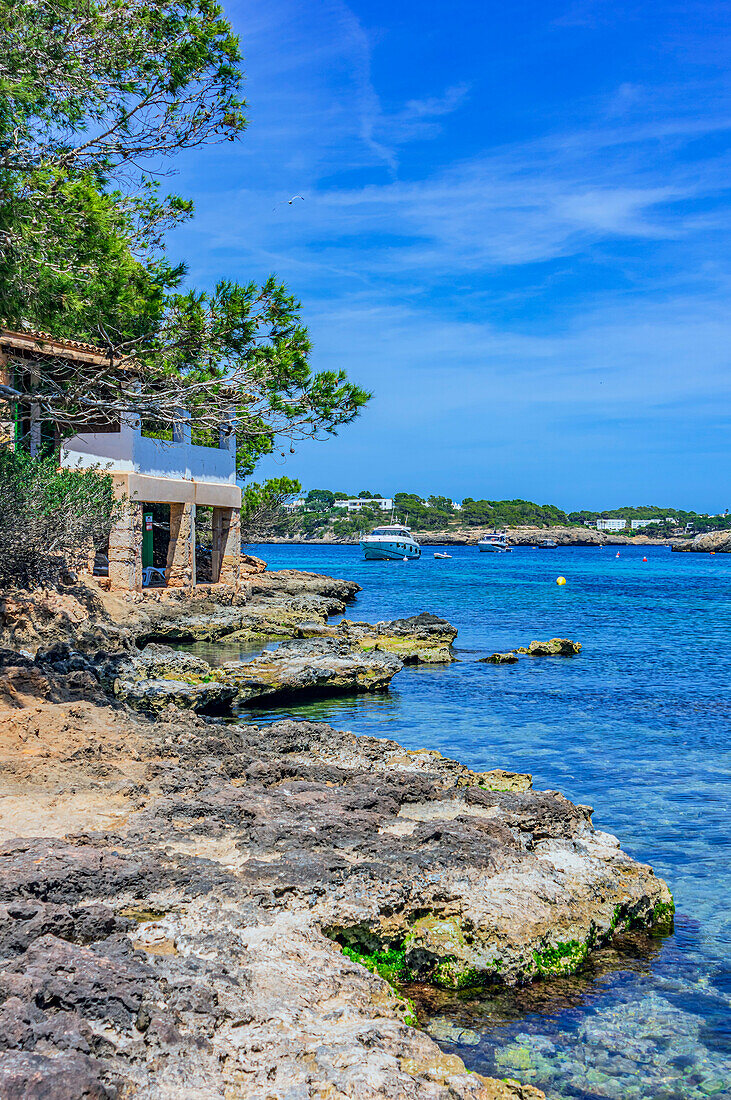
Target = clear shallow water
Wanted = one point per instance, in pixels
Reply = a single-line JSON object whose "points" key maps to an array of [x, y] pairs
{"points": [[639, 727]]}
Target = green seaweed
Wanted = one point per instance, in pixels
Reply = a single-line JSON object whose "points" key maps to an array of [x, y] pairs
{"points": [[451, 973], [389, 963], [663, 916], [410, 1016], [564, 958]]}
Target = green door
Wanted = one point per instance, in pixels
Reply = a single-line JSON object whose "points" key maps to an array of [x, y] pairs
{"points": [[147, 554]]}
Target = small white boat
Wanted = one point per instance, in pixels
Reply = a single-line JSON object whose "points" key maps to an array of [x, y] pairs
{"points": [[393, 542], [442, 555], [548, 544], [494, 543]]}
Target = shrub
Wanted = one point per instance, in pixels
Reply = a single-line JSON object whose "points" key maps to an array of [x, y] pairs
{"points": [[51, 518]]}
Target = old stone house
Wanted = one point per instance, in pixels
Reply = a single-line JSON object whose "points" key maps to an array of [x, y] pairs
{"points": [[167, 482]]}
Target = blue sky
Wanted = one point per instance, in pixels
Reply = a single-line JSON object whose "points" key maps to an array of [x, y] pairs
{"points": [[515, 231]]}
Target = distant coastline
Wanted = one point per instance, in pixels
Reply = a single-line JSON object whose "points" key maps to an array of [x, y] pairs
{"points": [[516, 536]]}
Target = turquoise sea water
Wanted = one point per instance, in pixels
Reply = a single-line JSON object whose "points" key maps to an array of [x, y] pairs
{"points": [[638, 726]]}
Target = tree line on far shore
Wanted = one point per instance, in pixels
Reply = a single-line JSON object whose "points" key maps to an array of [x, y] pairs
{"points": [[278, 509]]}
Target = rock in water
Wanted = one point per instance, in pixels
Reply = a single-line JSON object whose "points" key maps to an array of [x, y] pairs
{"points": [[556, 647], [311, 667], [160, 676], [510, 658], [421, 639]]}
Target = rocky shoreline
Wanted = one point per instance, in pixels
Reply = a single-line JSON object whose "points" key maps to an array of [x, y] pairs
{"points": [[516, 536], [192, 907], [714, 542]]}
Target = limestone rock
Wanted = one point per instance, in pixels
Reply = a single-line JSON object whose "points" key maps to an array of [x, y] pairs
{"points": [[311, 667], [556, 647], [183, 951], [716, 542], [421, 639], [160, 676], [510, 658], [500, 780]]}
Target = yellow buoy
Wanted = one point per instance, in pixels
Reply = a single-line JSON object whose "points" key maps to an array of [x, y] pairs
{"points": [[560, 580]]}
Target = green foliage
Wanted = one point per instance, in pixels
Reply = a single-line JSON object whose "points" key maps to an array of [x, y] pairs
{"points": [[249, 342], [665, 520], [89, 83], [95, 97], [90, 92], [320, 500], [510, 513], [50, 517], [71, 265], [262, 507]]}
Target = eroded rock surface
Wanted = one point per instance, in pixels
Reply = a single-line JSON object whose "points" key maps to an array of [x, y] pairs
{"points": [[194, 909], [555, 647], [420, 639], [160, 675], [712, 542], [267, 605], [186, 924]]}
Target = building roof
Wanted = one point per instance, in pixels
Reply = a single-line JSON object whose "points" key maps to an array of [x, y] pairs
{"points": [[45, 343]]}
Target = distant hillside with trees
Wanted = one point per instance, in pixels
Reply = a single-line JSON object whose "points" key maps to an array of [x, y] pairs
{"points": [[317, 515]]}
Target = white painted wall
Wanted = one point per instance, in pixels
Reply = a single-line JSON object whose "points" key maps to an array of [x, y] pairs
{"points": [[128, 451]]}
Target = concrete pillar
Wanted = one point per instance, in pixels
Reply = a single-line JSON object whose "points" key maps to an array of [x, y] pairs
{"points": [[226, 550], [125, 550], [180, 571]]}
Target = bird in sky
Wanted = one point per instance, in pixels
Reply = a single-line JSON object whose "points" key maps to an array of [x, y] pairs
{"points": [[290, 201]]}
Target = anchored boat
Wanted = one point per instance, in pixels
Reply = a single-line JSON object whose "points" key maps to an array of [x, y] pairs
{"points": [[494, 543], [393, 542]]}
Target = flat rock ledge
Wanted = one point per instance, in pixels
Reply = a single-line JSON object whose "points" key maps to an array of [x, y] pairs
{"points": [[194, 909], [421, 639], [350, 658], [161, 675], [268, 606]]}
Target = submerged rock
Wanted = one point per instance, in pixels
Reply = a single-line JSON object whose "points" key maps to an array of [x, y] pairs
{"points": [[510, 658]]}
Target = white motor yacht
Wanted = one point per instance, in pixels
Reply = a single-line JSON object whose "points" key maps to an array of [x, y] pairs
{"points": [[494, 543], [392, 542]]}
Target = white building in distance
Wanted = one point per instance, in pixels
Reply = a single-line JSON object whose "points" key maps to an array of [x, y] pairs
{"points": [[611, 524], [357, 503]]}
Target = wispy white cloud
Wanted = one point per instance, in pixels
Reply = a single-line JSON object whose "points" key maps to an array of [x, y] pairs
{"points": [[573, 283], [521, 204]]}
